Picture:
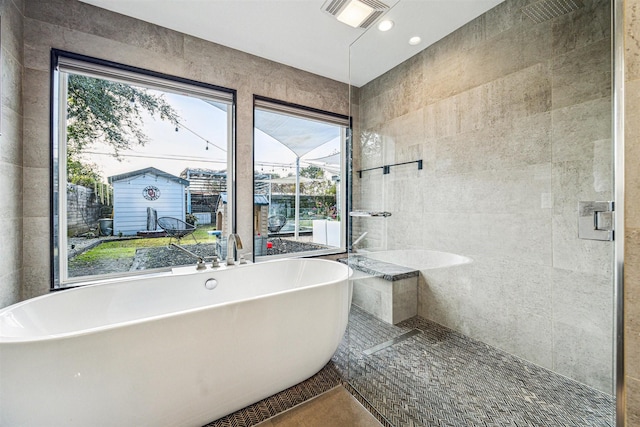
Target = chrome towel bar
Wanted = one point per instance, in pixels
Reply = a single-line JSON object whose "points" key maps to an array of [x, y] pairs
{"points": [[369, 213]]}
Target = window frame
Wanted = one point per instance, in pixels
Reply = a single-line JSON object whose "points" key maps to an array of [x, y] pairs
{"points": [[64, 63], [306, 112]]}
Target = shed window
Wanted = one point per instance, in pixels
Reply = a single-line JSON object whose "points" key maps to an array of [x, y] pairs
{"points": [[140, 161]]}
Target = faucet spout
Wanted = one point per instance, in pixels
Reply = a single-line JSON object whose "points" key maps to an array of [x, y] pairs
{"points": [[233, 244]]}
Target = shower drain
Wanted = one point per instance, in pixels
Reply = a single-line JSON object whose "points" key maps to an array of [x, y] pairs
{"points": [[394, 341]]}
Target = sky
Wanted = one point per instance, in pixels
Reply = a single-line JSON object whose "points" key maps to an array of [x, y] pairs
{"points": [[172, 151]]}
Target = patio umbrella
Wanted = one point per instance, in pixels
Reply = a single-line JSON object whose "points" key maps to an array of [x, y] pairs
{"points": [[331, 163], [300, 135]]}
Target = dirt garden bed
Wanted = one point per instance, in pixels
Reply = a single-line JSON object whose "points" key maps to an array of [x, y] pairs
{"points": [[157, 257]]}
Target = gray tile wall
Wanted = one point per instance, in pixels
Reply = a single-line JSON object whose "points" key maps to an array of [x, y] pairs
{"points": [[632, 210], [11, 151], [77, 27], [513, 122]]}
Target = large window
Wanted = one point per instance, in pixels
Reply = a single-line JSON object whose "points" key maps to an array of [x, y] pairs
{"points": [[140, 162], [299, 180]]}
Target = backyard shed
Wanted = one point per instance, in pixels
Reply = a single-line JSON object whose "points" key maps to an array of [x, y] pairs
{"points": [[134, 192]]}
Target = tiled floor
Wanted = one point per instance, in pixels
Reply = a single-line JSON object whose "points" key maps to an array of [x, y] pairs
{"points": [[435, 377], [439, 377]]}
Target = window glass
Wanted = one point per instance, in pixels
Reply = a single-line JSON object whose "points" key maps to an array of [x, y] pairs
{"points": [[140, 165], [299, 185]]}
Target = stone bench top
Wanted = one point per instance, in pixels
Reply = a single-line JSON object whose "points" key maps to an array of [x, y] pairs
{"points": [[384, 270]]}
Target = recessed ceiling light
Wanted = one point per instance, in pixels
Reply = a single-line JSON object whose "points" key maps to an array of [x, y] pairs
{"points": [[355, 13], [385, 25], [414, 40]]}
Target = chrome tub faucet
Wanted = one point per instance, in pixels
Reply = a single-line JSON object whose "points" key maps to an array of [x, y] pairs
{"points": [[233, 244]]}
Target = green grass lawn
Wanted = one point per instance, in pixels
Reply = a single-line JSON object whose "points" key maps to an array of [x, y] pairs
{"points": [[118, 249]]}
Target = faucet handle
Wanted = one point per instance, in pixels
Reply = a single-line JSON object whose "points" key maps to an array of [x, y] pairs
{"points": [[201, 264], [243, 260], [214, 260]]}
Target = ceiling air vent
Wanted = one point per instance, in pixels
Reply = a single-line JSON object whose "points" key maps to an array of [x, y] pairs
{"points": [[373, 8]]}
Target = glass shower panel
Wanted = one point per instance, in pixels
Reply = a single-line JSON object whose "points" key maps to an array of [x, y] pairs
{"points": [[474, 297]]}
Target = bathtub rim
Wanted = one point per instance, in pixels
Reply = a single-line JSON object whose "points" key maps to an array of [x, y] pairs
{"points": [[8, 340]]}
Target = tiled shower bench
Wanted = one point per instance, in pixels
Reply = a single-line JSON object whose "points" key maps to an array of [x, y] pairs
{"points": [[387, 291]]}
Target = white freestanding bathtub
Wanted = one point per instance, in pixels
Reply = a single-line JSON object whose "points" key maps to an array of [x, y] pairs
{"points": [[167, 351]]}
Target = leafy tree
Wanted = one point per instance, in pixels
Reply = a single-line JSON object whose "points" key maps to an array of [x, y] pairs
{"points": [[320, 187], [81, 173], [108, 112], [312, 171]]}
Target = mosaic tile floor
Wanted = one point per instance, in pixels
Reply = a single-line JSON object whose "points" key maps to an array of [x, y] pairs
{"points": [[433, 376], [441, 378]]}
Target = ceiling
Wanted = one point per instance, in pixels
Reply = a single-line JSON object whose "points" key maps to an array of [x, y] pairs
{"points": [[300, 34]]}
